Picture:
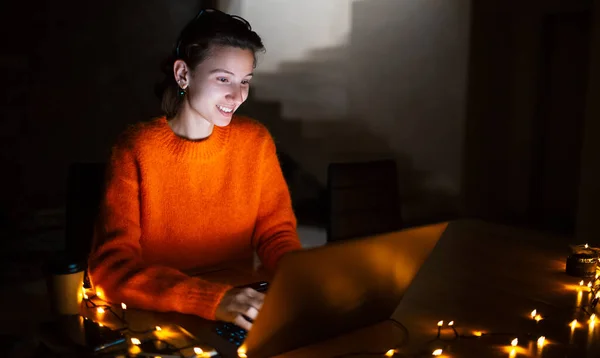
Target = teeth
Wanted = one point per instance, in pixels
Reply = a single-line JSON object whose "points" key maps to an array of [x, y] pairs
{"points": [[225, 109]]}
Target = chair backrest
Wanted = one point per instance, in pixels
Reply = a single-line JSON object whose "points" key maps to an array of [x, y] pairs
{"points": [[85, 187], [363, 199]]}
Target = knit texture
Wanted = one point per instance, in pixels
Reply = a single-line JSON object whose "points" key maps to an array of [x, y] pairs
{"points": [[173, 204]]}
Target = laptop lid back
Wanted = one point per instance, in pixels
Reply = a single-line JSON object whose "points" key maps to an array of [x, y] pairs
{"points": [[323, 292]]}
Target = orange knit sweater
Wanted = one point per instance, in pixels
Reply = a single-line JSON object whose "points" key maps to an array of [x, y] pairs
{"points": [[173, 204]]}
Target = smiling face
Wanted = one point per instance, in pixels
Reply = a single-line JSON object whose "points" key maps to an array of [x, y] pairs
{"points": [[218, 85]]}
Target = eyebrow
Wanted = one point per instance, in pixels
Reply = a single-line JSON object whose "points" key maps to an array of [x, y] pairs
{"points": [[228, 72]]}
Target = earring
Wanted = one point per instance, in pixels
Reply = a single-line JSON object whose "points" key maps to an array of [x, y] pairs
{"points": [[181, 91]]}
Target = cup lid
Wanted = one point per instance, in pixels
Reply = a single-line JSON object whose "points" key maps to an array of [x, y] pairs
{"points": [[62, 263]]}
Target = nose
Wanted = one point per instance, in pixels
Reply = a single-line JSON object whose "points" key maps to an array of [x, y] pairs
{"points": [[236, 94]]}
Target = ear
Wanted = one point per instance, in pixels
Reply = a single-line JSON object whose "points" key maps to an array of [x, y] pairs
{"points": [[181, 73]]}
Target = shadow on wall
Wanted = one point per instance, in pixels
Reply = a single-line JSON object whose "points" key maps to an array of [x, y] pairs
{"points": [[304, 160], [396, 90]]}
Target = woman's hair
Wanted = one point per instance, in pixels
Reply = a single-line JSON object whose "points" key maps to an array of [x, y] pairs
{"points": [[209, 29]]}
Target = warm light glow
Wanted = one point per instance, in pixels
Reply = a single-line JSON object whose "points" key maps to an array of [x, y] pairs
{"points": [[598, 294], [541, 341], [514, 342], [590, 284], [123, 306], [100, 325], [597, 276], [586, 246], [574, 324], [451, 323], [533, 313], [440, 323], [242, 352], [478, 333], [581, 283], [85, 296], [390, 353], [135, 341], [437, 352], [538, 318], [134, 350], [158, 328], [100, 310], [99, 292], [513, 353], [198, 350]]}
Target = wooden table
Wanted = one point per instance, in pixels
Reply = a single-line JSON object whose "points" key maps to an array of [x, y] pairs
{"points": [[484, 277]]}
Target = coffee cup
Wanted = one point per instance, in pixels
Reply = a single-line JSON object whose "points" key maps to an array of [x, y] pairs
{"points": [[65, 282]]}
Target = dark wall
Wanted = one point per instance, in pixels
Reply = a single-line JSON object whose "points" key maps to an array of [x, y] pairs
{"points": [[86, 71], [529, 66]]}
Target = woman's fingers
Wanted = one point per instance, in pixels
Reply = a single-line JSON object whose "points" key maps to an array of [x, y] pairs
{"points": [[241, 322], [240, 306]]}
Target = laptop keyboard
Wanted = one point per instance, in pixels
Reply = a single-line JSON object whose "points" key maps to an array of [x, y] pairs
{"points": [[230, 331]]}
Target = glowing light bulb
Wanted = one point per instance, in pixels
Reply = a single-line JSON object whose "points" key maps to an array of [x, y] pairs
{"points": [[478, 333], [123, 306], [598, 294], [541, 341], [85, 296], [538, 318], [100, 325], [589, 284], [99, 292], [135, 341], [242, 352], [451, 323], [514, 342], [440, 323], [390, 353], [158, 328], [581, 283], [437, 352], [533, 313], [513, 353], [100, 310], [198, 351], [586, 246], [573, 324]]}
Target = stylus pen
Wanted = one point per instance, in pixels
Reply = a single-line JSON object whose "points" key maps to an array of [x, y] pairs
{"points": [[205, 354], [109, 344]]}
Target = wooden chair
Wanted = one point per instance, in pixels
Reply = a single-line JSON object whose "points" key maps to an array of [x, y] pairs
{"points": [[363, 199]]}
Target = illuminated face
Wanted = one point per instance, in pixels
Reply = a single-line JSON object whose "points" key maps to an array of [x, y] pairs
{"points": [[220, 84]]}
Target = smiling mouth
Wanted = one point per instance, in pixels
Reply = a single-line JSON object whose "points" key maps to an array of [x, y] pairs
{"points": [[225, 110]]}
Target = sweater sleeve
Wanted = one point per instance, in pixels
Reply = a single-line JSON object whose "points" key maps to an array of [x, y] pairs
{"points": [[275, 231], [116, 264]]}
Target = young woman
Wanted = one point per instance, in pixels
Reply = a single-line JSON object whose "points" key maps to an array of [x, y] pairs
{"points": [[195, 188]]}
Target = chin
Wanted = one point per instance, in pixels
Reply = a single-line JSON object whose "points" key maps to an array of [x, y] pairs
{"points": [[222, 122]]}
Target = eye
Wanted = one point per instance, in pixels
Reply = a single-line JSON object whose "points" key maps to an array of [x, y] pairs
{"points": [[246, 82], [222, 79]]}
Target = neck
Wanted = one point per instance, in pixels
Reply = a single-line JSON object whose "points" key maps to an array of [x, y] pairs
{"points": [[189, 124]]}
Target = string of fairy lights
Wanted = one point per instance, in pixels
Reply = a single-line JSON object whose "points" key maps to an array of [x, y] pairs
{"points": [[135, 338], [440, 343], [512, 346]]}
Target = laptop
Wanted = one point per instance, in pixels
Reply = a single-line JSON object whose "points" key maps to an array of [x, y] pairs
{"points": [[323, 292]]}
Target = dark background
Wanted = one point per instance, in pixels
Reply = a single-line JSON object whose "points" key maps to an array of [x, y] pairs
{"points": [[75, 75]]}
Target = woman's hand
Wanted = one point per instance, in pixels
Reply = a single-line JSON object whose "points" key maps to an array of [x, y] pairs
{"points": [[240, 306]]}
